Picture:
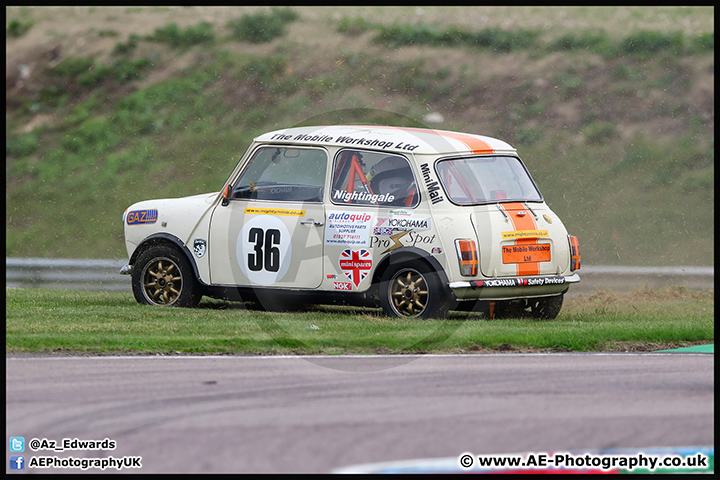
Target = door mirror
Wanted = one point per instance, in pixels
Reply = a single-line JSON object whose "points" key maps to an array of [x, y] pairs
{"points": [[226, 195]]}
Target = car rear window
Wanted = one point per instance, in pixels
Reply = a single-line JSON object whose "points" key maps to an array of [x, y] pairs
{"points": [[486, 179]]}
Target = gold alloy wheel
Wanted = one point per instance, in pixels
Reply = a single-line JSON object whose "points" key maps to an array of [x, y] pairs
{"points": [[408, 293], [162, 281]]}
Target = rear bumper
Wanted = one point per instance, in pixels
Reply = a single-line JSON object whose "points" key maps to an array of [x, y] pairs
{"points": [[514, 287]]}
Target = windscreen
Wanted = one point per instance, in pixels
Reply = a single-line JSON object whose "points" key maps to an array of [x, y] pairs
{"points": [[486, 179]]}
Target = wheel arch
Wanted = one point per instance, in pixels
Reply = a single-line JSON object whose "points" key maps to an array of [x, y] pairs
{"points": [[408, 254], [434, 298], [169, 240]]}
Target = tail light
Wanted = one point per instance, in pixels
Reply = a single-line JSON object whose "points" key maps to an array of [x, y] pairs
{"points": [[467, 256], [574, 253]]}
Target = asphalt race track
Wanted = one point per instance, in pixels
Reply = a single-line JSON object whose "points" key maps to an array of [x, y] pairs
{"points": [[320, 414]]}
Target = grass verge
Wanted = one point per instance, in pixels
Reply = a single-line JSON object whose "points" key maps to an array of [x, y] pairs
{"points": [[79, 322]]}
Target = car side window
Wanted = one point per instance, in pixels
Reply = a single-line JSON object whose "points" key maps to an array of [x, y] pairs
{"points": [[283, 174], [373, 178]]}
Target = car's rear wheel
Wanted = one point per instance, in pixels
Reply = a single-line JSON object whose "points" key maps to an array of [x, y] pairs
{"points": [[509, 309], [163, 276], [546, 308], [412, 290]]}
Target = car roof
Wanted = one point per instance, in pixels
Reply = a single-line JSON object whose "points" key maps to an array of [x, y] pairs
{"points": [[391, 139]]}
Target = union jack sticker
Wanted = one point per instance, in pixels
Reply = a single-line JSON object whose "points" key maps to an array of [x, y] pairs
{"points": [[356, 264]]}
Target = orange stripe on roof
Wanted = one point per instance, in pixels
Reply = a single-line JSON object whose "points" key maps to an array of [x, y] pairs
{"points": [[475, 145]]}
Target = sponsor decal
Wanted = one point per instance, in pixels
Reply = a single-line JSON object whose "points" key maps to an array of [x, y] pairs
{"points": [[382, 231], [400, 224], [499, 282], [432, 185], [350, 217], [409, 223], [400, 213], [395, 241], [142, 217], [199, 247], [351, 229], [544, 281], [517, 282], [525, 253], [303, 137], [274, 211], [344, 196], [346, 286], [381, 227], [356, 264], [409, 238], [525, 234], [346, 139], [436, 250]]}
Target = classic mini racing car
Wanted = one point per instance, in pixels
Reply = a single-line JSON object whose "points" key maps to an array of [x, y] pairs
{"points": [[415, 221]]}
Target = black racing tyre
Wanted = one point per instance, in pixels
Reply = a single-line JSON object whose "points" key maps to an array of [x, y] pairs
{"points": [[412, 289], [510, 309], [163, 276], [546, 308]]}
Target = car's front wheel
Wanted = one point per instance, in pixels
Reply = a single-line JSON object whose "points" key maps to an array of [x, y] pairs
{"points": [[412, 290], [163, 276]]}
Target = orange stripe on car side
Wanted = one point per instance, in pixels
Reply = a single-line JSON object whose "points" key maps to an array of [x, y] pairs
{"points": [[526, 222]]}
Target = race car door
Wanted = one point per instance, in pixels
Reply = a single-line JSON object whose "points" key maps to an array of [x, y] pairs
{"points": [[270, 232]]}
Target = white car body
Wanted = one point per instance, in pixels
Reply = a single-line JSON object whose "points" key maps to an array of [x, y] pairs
{"points": [[336, 211]]}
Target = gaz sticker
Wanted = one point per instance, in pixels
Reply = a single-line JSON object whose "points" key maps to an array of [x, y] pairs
{"points": [[142, 217], [264, 250]]}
